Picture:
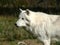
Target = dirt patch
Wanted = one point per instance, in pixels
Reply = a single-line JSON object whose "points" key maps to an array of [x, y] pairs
{"points": [[32, 42]]}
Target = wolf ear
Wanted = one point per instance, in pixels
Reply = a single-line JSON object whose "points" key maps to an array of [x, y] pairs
{"points": [[20, 9], [27, 11]]}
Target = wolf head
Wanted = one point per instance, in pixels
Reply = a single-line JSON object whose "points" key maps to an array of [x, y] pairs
{"points": [[23, 18]]}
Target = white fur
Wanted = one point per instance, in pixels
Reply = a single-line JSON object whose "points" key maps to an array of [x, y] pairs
{"points": [[44, 26]]}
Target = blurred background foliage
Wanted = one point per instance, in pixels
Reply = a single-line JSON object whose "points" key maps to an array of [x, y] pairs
{"points": [[30, 3], [13, 6], [9, 10]]}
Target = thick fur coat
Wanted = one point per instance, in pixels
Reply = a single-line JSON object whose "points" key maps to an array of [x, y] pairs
{"points": [[44, 26]]}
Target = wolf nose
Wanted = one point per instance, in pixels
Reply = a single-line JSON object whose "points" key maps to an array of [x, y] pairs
{"points": [[16, 25]]}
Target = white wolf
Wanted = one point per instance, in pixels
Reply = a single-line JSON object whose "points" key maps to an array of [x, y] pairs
{"points": [[44, 26]]}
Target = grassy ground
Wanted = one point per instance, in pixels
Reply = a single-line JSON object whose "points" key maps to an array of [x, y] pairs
{"points": [[28, 42], [11, 35]]}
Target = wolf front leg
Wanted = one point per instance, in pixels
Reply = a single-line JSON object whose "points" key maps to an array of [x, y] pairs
{"points": [[45, 41]]}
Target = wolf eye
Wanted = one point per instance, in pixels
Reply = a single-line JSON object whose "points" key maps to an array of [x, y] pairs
{"points": [[22, 18]]}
